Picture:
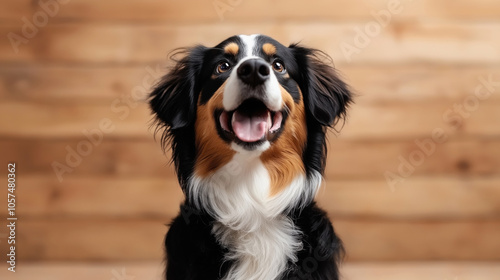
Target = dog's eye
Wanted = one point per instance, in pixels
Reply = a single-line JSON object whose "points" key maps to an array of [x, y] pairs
{"points": [[223, 67], [278, 66]]}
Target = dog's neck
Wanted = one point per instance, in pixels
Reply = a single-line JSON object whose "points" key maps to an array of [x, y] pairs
{"points": [[250, 223]]}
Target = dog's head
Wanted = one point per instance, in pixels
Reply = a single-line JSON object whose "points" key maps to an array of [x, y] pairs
{"points": [[253, 96]]}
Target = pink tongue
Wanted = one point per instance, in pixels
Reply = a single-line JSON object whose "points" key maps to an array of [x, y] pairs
{"points": [[250, 128]]}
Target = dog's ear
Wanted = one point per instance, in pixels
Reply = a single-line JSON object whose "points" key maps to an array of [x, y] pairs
{"points": [[326, 96], [174, 98]]}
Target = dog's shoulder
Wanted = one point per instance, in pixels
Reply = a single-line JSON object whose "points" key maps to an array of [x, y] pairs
{"points": [[322, 249], [193, 252]]}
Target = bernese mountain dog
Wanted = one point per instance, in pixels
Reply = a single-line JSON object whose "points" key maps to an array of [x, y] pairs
{"points": [[246, 121]]}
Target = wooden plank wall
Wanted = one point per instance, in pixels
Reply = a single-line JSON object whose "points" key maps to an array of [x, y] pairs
{"points": [[430, 70]]}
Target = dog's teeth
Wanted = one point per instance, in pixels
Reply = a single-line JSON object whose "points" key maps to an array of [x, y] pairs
{"points": [[223, 119], [269, 121], [278, 118]]}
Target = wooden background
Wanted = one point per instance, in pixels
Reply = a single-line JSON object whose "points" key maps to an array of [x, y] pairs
{"points": [[94, 61]]}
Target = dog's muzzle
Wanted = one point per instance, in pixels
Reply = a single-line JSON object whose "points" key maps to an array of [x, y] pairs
{"points": [[254, 72]]}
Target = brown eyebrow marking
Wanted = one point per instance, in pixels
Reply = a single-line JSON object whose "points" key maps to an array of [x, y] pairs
{"points": [[269, 49], [231, 48]]}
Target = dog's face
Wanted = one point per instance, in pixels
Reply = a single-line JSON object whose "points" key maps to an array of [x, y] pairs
{"points": [[256, 91], [253, 96]]}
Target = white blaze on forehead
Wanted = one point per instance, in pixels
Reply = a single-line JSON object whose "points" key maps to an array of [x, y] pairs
{"points": [[232, 95], [249, 42], [235, 91]]}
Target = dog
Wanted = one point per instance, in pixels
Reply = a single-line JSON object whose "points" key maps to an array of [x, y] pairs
{"points": [[246, 122]]}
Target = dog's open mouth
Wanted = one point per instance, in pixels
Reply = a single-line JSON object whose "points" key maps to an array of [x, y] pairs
{"points": [[251, 122]]}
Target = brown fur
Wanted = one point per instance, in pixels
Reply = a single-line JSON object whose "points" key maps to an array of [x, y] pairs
{"points": [[269, 49], [231, 48], [213, 152], [283, 159]]}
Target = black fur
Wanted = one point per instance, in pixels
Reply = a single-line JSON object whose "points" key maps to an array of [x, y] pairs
{"points": [[192, 251], [326, 97], [194, 254], [322, 248], [174, 103]]}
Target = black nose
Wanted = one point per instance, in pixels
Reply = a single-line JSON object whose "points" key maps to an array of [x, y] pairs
{"points": [[253, 72]]}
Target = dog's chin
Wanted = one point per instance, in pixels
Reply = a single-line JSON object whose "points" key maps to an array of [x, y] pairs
{"points": [[251, 125]]}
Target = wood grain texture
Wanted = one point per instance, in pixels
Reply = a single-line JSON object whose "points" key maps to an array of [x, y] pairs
{"points": [[89, 68], [430, 198], [48, 120], [153, 270], [13, 10], [464, 158], [347, 159], [372, 83], [132, 119], [96, 197], [91, 239], [419, 270], [78, 84], [418, 240], [237, 11], [401, 42], [378, 240], [147, 270], [111, 157]]}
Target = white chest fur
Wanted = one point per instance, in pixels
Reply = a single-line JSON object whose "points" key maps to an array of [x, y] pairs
{"points": [[250, 223]]}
